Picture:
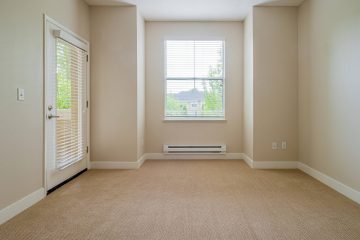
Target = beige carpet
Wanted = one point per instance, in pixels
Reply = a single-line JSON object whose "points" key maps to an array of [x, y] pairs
{"points": [[189, 200]]}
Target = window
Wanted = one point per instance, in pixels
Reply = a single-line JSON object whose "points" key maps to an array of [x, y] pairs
{"points": [[194, 79], [70, 104]]}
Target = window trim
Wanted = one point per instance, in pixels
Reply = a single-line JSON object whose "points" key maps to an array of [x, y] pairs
{"points": [[192, 118]]}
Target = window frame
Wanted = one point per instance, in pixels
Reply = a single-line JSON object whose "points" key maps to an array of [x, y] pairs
{"points": [[199, 118]]}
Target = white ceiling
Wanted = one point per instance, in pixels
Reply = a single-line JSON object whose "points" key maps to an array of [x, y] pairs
{"points": [[192, 10]]}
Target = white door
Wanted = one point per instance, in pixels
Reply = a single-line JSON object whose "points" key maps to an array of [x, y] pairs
{"points": [[65, 104]]}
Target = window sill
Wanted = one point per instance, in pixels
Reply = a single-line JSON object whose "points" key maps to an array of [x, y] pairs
{"points": [[180, 119]]}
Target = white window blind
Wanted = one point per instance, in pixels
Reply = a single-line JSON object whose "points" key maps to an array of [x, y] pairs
{"points": [[194, 79], [70, 104]]}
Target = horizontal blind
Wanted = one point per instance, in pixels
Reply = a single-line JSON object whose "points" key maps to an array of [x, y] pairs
{"points": [[194, 79], [70, 104]]}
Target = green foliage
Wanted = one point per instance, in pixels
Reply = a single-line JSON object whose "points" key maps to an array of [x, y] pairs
{"points": [[63, 98], [213, 91], [63, 93], [213, 96], [174, 106], [215, 72]]}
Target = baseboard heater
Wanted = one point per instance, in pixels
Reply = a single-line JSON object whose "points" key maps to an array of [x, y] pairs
{"points": [[195, 149]]}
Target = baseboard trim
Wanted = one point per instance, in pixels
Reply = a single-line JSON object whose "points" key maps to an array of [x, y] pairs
{"points": [[269, 164], [274, 165], [327, 180], [114, 165], [248, 160], [141, 160], [119, 165], [163, 156], [331, 182], [17, 207]]}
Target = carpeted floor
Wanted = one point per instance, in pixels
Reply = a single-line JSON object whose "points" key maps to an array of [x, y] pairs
{"points": [[189, 200]]}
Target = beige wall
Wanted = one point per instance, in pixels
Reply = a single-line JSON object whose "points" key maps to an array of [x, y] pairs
{"points": [[248, 114], [159, 132], [140, 85], [113, 84], [116, 83], [329, 88], [275, 82], [21, 65]]}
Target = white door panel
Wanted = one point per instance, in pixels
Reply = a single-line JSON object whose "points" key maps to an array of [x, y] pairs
{"points": [[65, 105]]}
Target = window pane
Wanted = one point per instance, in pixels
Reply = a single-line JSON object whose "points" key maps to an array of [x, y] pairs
{"points": [[63, 97], [180, 59], [194, 98], [70, 104], [208, 59], [194, 79]]}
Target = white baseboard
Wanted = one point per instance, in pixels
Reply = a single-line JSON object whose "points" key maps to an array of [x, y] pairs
{"points": [[334, 184], [17, 207], [141, 160], [275, 165], [325, 179], [248, 160], [269, 164], [12, 210], [331, 182], [118, 165], [114, 165], [163, 156]]}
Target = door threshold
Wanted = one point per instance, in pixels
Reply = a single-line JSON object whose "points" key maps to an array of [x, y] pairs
{"points": [[66, 181]]}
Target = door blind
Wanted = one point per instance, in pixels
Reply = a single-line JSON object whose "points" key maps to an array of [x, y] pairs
{"points": [[194, 78], [70, 104]]}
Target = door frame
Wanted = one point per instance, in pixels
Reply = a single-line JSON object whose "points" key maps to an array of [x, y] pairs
{"points": [[46, 21]]}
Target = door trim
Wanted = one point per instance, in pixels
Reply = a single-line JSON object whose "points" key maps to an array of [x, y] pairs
{"points": [[46, 21]]}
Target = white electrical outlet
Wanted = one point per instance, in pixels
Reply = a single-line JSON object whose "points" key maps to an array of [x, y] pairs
{"points": [[21, 94], [283, 145], [274, 146]]}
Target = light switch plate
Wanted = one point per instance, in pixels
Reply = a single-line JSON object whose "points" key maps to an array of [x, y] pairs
{"points": [[21, 94]]}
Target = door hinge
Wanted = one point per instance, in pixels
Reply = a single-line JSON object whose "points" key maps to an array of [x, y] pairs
{"points": [[87, 58], [87, 149], [87, 104]]}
